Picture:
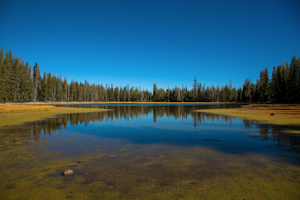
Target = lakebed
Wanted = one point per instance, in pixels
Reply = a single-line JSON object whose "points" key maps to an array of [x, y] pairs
{"points": [[148, 152]]}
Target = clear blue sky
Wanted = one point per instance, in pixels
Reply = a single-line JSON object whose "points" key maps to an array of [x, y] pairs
{"points": [[144, 42]]}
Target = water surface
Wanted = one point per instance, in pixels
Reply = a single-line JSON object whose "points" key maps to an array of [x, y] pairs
{"points": [[148, 152]]}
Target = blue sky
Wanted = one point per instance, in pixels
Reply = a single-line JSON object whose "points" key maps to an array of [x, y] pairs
{"points": [[144, 42]]}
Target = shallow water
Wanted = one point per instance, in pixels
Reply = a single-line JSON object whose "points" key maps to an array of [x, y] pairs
{"points": [[148, 152]]}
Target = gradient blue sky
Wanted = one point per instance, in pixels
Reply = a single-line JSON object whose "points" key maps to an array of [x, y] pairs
{"points": [[144, 42]]}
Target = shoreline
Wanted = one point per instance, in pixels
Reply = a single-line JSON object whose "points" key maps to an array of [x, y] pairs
{"points": [[289, 118], [11, 119], [123, 102]]}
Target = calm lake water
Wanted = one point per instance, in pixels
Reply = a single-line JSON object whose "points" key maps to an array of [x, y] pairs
{"points": [[144, 151]]}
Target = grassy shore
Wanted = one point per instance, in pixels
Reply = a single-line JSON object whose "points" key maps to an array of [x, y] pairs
{"points": [[284, 114], [129, 102], [19, 113], [20, 108]]}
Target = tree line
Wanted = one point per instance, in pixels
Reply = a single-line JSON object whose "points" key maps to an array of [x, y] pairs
{"points": [[21, 83]]}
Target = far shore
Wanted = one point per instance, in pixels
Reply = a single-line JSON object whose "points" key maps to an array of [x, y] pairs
{"points": [[126, 102]]}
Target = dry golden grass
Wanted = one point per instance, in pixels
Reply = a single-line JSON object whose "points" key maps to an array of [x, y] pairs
{"points": [[273, 106], [288, 117], [15, 114], [20, 108]]}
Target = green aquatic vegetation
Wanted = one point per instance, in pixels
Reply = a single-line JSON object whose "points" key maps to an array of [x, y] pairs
{"points": [[124, 149], [31, 171], [72, 140]]}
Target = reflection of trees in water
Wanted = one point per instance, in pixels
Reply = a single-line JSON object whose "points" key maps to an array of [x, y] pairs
{"points": [[199, 118], [274, 132], [170, 111], [137, 112]]}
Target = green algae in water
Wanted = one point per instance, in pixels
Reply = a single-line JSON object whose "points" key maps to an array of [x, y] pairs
{"points": [[32, 169], [181, 173]]}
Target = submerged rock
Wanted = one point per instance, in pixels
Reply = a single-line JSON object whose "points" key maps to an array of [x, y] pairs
{"points": [[68, 172], [272, 114]]}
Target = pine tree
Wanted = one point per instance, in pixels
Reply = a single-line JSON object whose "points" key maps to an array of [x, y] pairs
{"points": [[54, 88], [59, 85], [50, 87], [257, 91], [4, 84], [44, 88], [298, 82], [240, 94], [217, 94], [195, 89], [154, 92], [65, 90], [25, 84], [10, 78], [112, 98], [17, 79], [72, 91], [264, 83], [1, 56], [284, 83], [36, 82], [76, 91], [142, 93], [287, 69], [280, 84], [129, 90], [273, 86], [2, 76], [293, 81]]}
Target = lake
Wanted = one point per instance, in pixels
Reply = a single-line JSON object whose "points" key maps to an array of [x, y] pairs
{"points": [[149, 151]]}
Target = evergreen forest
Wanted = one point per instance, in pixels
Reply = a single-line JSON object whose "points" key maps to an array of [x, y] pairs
{"points": [[21, 83]]}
